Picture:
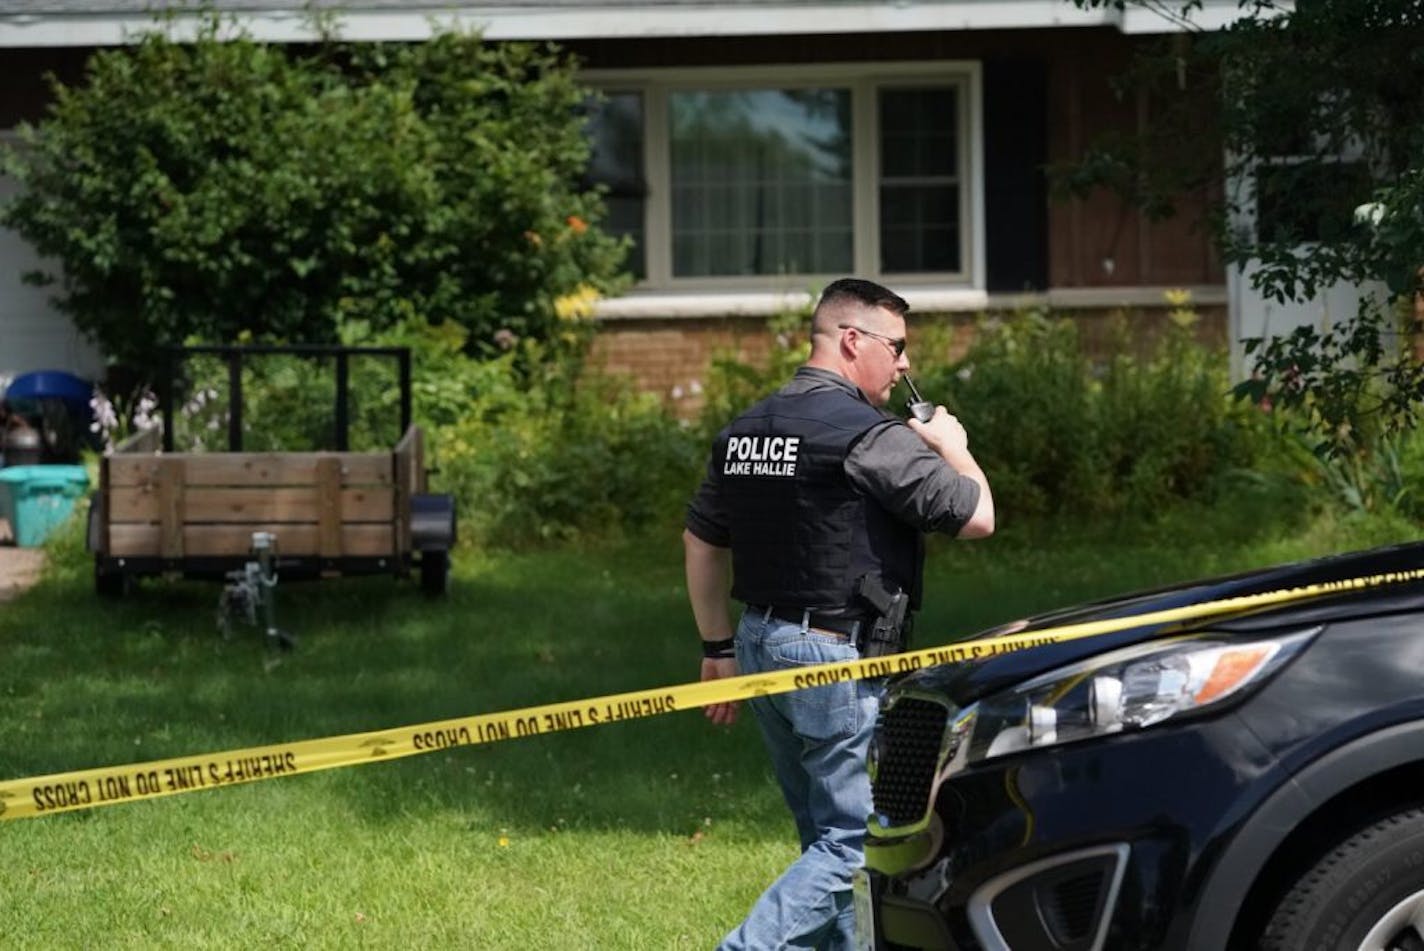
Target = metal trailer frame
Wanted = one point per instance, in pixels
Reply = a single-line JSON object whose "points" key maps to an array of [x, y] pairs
{"points": [[334, 513]]}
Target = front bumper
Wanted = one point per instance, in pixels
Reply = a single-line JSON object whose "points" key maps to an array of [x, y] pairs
{"points": [[1064, 901], [1105, 843]]}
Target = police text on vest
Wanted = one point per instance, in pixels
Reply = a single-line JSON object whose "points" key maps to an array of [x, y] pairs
{"points": [[761, 455]]}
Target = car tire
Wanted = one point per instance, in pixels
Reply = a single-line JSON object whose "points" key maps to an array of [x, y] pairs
{"points": [[111, 584], [1366, 893]]}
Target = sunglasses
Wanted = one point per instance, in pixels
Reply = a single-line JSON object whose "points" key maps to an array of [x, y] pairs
{"points": [[896, 344]]}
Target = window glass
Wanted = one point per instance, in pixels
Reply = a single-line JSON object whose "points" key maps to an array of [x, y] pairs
{"points": [[919, 180], [615, 130], [758, 179], [761, 182]]}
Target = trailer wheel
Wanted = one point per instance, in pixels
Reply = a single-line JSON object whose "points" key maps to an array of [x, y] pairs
{"points": [[110, 584], [1367, 893], [435, 571]]}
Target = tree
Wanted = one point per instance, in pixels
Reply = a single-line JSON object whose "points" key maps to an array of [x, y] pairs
{"points": [[1318, 91], [215, 187], [1319, 108]]}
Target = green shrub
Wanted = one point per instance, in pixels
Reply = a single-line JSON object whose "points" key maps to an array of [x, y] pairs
{"points": [[552, 451], [1167, 426], [1059, 432], [289, 401], [536, 479], [1350, 393], [1056, 430], [1024, 395], [215, 186], [535, 448], [591, 460]]}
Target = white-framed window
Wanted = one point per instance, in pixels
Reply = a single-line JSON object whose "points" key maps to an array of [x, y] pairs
{"points": [[742, 178]]}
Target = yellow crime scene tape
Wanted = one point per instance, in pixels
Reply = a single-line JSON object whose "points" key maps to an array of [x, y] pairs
{"points": [[110, 785]]}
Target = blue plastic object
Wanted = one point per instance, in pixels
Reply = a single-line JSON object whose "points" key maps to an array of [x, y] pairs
{"points": [[55, 384], [57, 404], [37, 499]]}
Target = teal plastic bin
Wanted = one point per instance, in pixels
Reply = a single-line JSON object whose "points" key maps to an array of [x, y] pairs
{"points": [[36, 499]]}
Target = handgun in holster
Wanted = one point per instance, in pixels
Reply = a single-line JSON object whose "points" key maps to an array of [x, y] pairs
{"points": [[889, 630]]}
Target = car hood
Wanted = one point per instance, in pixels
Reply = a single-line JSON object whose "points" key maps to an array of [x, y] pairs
{"points": [[967, 681]]}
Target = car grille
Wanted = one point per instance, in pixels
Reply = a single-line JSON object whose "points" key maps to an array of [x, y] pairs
{"points": [[1073, 904], [908, 738]]}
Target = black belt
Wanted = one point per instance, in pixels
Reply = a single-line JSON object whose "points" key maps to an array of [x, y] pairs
{"points": [[836, 624]]}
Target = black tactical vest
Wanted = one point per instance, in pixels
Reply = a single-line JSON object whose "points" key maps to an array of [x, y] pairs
{"points": [[801, 533]]}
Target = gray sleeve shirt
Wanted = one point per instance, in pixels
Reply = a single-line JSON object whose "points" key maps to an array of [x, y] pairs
{"points": [[909, 479]]}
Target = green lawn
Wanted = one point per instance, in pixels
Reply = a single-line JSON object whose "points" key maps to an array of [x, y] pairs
{"points": [[646, 834]]}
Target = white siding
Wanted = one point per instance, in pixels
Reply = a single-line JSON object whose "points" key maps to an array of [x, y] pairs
{"points": [[33, 335], [1252, 314]]}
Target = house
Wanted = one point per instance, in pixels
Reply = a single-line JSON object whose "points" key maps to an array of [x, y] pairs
{"points": [[756, 149]]}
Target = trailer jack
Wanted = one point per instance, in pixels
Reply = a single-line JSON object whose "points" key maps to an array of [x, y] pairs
{"points": [[253, 588]]}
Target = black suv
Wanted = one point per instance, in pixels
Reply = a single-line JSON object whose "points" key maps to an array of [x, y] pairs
{"points": [[1250, 780]]}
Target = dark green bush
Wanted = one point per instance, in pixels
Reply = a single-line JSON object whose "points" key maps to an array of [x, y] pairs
{"points": [[1350, 393], [1059, 432], [535, 448], [590, 460], [206, 188], [1168, 427], [1024, 394]]}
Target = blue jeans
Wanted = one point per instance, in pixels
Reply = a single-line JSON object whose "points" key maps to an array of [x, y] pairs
{"points": [[818, 740]]}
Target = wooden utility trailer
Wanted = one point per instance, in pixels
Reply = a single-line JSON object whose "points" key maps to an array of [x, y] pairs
{"points": [[332, 513]]}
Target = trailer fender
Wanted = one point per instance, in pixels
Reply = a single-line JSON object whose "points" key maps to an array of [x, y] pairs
{"points": [[432, 522]]}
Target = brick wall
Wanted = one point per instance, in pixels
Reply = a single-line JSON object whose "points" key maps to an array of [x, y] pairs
{"points": [[670, 356]]}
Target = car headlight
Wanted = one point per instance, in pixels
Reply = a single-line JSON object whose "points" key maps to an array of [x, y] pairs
{"points": [[1127, 689]]}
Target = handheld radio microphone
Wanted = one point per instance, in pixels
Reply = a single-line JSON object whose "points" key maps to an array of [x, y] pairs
{"points": [[919, 407]]}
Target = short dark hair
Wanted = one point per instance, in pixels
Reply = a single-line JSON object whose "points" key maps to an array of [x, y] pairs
{"points": [[865, 292]]}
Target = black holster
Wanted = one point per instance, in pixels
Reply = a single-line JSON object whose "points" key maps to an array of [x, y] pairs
{"points": [[889, 632]]}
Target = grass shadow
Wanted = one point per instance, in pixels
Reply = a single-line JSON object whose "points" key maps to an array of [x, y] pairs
{"points": [[95, 682]]}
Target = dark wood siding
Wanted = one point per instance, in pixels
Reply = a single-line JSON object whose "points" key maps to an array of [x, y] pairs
{"points": [[1100, 241], [24, 90]]}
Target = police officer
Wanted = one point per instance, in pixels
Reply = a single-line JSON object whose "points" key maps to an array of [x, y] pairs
{"points": [[807, 492]]}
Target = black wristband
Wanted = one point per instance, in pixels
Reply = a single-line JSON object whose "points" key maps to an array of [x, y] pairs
{"points": [[719, 650]]}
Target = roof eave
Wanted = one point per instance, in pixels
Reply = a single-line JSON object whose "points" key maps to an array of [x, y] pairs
{"points": [[565, 22]]}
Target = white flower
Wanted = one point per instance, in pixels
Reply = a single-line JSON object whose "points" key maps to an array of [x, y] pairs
{"points": [[145, 414], [1371, 213], [106, 419]]}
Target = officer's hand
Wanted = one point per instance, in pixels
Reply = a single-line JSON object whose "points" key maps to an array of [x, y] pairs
{"points": [[716, 668], [942, 433]]}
